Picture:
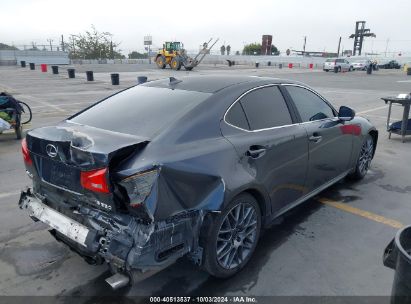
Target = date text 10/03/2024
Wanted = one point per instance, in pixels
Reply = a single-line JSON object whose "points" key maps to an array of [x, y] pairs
{"points": [[232, 299]]}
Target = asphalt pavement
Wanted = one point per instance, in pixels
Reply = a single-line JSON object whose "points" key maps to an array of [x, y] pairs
{"points": [[318, 249]]}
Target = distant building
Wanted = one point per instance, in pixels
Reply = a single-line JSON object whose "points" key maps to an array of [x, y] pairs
{"points": [[347, 53], [266, 44]]}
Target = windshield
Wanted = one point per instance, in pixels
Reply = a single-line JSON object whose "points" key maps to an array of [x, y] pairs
{"points": [[140, 110]]}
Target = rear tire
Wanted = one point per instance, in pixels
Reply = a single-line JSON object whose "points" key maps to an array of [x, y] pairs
{"points": [[232, 237], [364, 159], [19, 130]]}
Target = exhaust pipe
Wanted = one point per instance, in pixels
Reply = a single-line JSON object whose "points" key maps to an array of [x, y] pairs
{"points": [[118, 280]]}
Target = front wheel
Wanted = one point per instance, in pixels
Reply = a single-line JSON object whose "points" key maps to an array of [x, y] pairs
{"points": [[364, 159], [232, 237], [161, 62], [18, 128], [27, 115], [175, 63]]}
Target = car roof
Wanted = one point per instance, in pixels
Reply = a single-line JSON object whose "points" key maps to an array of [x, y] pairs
{"points": [[211, 83]]}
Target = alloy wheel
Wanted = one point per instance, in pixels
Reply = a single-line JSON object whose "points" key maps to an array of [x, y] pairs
{"points": [[366, 153], [237, 236]]}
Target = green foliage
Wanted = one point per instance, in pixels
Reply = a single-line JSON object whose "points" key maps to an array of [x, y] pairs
{"points": [[93, 45], [137, 55], [228, 48], [4, 46], [255, 49]]}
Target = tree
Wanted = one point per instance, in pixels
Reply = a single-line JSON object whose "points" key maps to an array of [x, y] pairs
{"points": [[252, 49], [274, 50], [228, 48], [136, 55], [4, 46], [222, 49], [237, 52], [93, 45], [255, 49]]}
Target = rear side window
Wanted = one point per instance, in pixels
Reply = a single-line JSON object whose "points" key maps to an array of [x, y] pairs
{"points": [[140, 110], [236, 117], [310, 106], [266, 108]]}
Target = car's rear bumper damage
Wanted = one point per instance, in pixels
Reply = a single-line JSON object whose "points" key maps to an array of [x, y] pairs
{"points": [[131, 247]]}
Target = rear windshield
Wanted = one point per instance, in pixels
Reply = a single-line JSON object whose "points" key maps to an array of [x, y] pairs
{"points": [[140, 110]]}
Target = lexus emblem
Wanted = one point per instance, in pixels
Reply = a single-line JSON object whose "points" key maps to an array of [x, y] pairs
{"points": [[51, 150]]}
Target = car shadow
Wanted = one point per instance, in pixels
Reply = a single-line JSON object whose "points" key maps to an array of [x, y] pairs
{"points": [[184, 279]]}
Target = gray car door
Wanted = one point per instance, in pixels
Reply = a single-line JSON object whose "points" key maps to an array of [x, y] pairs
{"points": [[270, 146], [330, 140]]}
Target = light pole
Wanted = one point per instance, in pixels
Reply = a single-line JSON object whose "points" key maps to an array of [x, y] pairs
{"points": [[51, 46]]}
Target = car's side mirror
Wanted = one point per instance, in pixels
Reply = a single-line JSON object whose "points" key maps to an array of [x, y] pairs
{"points": [[346, 113]]}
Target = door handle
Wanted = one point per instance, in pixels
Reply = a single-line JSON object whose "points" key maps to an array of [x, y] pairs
{"points": [[315, 138], [256, 151]]}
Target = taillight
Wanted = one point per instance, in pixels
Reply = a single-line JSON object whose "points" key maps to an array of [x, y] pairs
{"points": [[139, 186], [95, 180], [26, 153]]}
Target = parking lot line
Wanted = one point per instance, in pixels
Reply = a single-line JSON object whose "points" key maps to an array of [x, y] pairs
{"points": [[7, 194], [366, 214], [372, 110]]}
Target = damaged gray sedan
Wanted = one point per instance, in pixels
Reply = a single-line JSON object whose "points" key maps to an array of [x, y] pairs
{"points": [[193, 167]]}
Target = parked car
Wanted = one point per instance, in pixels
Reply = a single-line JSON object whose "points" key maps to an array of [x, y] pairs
{"points": [[194, 167], [393, 64], [339, 63], [362, 64]]}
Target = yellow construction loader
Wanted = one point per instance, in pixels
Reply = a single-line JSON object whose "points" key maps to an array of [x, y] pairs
{"points": [[174, 54]]}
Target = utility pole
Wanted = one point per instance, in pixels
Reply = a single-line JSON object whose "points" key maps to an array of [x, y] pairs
{"points": [[73, 50], [339, 45], [62, 43], [111, 50], [386, 46], [51, 46], [305, 42]]}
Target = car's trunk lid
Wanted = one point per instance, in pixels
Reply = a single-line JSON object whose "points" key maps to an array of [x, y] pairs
{"points": [[60, 153]]}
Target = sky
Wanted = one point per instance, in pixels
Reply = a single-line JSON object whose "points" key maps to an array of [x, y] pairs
{"points": [[192, 22]]}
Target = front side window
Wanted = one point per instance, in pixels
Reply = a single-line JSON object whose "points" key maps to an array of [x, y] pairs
{"points": [[266, 108], [310, 106]]}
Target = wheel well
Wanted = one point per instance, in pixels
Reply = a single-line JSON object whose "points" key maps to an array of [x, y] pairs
{"points": [[374, 135], [260, 200]]}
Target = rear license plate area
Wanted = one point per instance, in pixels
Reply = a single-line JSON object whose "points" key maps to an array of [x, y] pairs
{"points": [[60, 174]]}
